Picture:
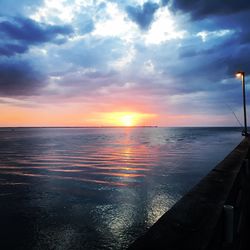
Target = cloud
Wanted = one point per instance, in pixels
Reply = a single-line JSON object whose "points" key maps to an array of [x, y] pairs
{"points": [[13, 7], [87, 26], [93, 52], [239, 60], [102, 58], [202, 8], [18, 78], [164, 2], [205, 64], [142, 15], [9, 49], [31, 32]]}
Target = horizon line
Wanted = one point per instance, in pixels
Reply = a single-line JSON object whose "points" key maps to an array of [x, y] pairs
{"points": [[139, 126], [153, 126]]}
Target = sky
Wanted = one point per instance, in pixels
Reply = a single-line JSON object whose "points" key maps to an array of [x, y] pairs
{"points": [[111, 63]]}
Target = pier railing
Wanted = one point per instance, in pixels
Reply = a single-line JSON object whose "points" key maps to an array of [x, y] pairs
{"points": [[213, 215]]}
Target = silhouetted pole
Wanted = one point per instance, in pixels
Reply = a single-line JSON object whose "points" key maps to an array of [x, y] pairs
{"points": [[241, 74]]}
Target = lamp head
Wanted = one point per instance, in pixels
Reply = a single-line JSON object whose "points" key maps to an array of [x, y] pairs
{"points": [[239, 74]]}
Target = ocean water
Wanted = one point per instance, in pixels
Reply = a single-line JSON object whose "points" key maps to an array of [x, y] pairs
{"points": [[98, 188]]}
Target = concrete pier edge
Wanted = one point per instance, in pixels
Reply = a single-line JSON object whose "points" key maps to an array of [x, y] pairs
{"points": [[201, 219]]}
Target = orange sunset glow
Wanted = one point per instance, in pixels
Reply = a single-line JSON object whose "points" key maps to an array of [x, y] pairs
{"points": [[71, 115], [75, 115]]}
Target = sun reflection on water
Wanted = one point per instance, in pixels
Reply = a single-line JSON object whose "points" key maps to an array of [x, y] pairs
{"points": [[122, 162]]}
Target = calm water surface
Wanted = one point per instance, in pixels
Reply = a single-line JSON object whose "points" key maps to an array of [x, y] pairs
{"points": [[98, 188]]}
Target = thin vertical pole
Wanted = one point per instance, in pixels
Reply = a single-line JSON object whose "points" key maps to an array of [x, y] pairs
{"points": [[244, 103]]}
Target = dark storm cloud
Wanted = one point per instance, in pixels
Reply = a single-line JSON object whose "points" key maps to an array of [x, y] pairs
{"points": [[204, 8], [142, 15], [18, 78], [9, 49], [31, 32], [235, 51], [240, 60]]}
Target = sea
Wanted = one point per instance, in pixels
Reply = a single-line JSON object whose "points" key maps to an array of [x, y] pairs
{"points": [[98, 188]]}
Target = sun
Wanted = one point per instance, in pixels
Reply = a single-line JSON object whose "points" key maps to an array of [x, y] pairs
{"points": [[123, 119], [127, 120]]}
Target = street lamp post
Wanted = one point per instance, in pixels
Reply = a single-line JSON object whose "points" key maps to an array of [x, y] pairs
{"points": [[241, 75]]}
